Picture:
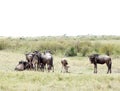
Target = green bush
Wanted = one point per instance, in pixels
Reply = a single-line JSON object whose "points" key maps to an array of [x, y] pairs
{"points": [[83, 47], [71, 52]]}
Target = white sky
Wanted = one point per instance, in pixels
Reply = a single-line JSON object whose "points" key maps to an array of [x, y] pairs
{"points": [[58, 17]]}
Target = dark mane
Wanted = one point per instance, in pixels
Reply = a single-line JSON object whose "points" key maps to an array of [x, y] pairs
{"points": [[95, 55], [92, 57]]}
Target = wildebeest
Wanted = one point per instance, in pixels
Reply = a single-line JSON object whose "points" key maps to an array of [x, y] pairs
{"points": [[34, 59], [64, 65], [22, 66], [47, 59], [29, 58], [37, 59], [100, 59]]}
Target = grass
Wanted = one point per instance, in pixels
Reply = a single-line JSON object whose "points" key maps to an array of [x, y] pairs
{"points": [[35, 81], [80, 78]]}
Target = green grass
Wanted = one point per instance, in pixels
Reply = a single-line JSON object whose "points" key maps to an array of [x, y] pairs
{"points": [[37, 81], [80, 78]]}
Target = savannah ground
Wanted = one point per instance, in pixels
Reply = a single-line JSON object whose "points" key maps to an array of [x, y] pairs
{"points": [[80, 78]]}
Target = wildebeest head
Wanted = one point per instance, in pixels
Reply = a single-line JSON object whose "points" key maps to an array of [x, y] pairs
{"points": [[93, 57], [37, 53], [64, 62], [29, 56]]}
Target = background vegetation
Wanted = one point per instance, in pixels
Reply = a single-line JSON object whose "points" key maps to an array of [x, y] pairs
{"points": [[65, 45]]}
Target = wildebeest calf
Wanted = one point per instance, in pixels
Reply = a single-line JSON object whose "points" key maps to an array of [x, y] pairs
{"points": [[64, 65]]}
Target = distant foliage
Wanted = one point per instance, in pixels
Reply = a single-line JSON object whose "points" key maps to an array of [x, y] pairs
{"points": [[108, 49], [65, 45], [71, 52], [85, 48], [3, 44]]}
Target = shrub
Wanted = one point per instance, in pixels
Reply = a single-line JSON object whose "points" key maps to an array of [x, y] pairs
{"points": [[107, 49], [83, 47], [71, 52], [3, 44], [85, 50], [96, 47]]}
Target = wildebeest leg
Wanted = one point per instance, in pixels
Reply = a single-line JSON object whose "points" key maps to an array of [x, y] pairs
{"points": [[48, 68], [66, 69], [52, 68], [95, 68], [45, 67], [62, 68], [31, 66], [36, 67], [109, 67], [41, 67]]}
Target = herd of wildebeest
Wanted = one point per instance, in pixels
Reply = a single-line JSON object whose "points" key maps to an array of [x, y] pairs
{"points": [[44, 61]]}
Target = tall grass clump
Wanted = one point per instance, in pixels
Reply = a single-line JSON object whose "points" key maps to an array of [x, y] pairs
{"points": [[108, 49], [4, 44]]}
